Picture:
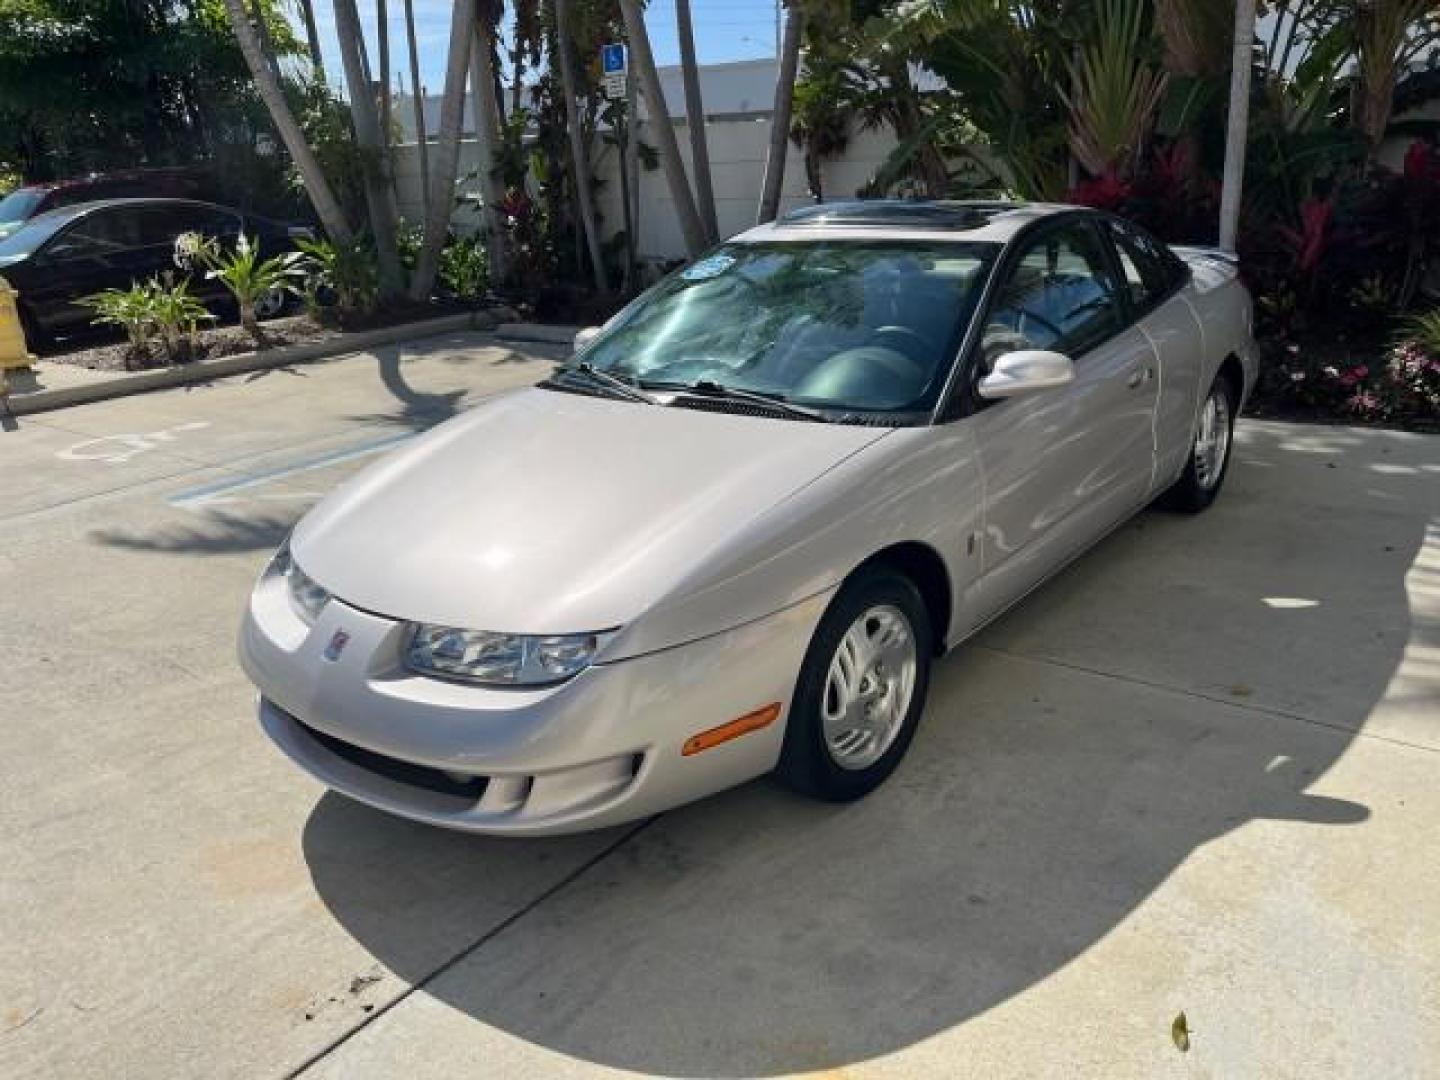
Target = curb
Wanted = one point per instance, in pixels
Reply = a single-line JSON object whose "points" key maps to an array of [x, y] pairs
{"points": [[542, 332], [140, 382]]}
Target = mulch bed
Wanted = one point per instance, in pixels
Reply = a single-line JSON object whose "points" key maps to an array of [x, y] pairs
{"points": [[214, 343]]}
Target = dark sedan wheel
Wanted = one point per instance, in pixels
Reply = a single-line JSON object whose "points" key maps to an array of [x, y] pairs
{"points": [[861, 689], [1209, 453], [271, 303]]}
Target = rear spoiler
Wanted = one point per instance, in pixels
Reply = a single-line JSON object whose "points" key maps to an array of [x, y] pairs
{"points": [[1190, 252]]}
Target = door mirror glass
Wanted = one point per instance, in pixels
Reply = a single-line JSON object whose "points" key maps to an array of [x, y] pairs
{"points": [[1026, 371], [584, 337]]}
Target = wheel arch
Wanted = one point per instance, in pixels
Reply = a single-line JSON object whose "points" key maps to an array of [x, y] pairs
{"points": [[1233, 372], [923, 565]]}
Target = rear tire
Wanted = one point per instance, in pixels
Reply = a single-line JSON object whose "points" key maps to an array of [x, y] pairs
{"points": [[271, 304], [1210, 451], [861, 689]]}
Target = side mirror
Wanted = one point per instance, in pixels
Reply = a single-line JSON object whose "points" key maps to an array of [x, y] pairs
{"points": [[586, 336], [1025, 371]]}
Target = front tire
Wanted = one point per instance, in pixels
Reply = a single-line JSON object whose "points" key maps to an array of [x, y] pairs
{"points": [[861, 689], [1209, 459]]}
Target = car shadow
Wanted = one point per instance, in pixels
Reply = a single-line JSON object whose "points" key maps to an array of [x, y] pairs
{"points": [[1043, 801]]}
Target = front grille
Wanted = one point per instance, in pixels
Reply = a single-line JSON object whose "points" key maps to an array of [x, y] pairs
{"points": [[402, 772]]}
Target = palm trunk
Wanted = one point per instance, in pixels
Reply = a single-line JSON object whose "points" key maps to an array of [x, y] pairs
{"points": [[382, 34], [487, 143], [579, 159], [780, 119], [312, 38], [327, 207], [695, 121], [419, 97], [379, 193], [632, 157], [447, 149], [644, 61]]}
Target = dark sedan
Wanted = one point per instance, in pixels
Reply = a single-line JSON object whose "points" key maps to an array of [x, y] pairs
{"points": [[58, 258]]}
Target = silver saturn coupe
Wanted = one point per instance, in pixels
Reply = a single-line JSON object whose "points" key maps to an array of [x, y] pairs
{"points": [[732, 534]]}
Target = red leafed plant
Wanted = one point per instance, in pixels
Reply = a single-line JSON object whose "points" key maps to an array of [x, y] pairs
{"points": [[1105, 192], [1308, 243]]}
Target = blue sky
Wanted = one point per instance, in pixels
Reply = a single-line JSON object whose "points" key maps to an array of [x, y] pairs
{"points": [[724, 30]]}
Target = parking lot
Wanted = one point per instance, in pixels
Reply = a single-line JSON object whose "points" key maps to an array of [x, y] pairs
{"points": [[1198, 771]]}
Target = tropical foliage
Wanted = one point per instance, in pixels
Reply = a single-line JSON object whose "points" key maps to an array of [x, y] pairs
{"points": [[162, 310]]}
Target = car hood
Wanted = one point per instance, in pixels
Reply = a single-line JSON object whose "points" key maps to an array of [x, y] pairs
{"points": [[549, 512]]}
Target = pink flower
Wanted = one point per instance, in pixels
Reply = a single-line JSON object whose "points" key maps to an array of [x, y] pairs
{"points": [[1349, 379], [1363, 403], [1360, 371]]}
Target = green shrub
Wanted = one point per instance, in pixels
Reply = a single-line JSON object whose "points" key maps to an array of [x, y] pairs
{"points": [[151, 310], [243, 272], [344, 277], [465, 269]]}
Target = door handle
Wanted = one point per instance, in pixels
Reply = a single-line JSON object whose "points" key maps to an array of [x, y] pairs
{"points": [[1138, 377]]}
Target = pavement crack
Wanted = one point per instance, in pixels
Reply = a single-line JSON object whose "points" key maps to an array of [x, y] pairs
{"points": [[469, 950], [1245, 706]]}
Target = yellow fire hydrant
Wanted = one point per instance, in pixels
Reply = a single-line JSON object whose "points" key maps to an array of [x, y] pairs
{"points": [[13, 351]]}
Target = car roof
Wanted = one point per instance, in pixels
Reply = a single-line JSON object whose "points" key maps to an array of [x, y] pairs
{"points": [[907, 219], [75, 210]]}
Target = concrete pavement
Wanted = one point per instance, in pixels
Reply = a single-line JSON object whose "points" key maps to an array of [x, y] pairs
{"points": [[1197, 771]]}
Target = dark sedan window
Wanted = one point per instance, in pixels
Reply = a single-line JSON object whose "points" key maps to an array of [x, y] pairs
{"points": [[162, 224], [97, 234]]}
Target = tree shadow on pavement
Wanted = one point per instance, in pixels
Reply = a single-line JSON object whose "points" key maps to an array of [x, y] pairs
{"points": [[223, 533], [1045, 798]]}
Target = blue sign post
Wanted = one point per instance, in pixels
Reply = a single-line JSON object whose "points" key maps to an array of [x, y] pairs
{"points": [[612, 59]]}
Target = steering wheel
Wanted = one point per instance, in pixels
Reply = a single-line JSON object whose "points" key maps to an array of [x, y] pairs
{"points": [[1026, 315], [910, 343]]}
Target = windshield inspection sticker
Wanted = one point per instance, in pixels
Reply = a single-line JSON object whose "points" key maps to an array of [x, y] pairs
{"points": [[709, 268]]}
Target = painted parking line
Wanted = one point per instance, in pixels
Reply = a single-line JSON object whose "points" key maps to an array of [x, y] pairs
{"points": [[222, 492]]}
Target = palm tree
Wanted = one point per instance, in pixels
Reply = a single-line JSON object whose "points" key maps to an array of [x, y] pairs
{"points": [[418, 96], [379, 193], [447, 150], [780, 118], [486, 107], [669, 149], [312, 38], [695, 120], [579, 159], [1387, 35], [382, 36], [327, 207]]}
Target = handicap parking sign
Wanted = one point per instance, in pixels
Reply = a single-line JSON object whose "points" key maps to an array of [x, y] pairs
{"points": [[612, 59]]}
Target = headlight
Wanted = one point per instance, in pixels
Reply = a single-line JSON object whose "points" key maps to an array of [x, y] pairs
{"points": [[305, 595], [500, 659]]}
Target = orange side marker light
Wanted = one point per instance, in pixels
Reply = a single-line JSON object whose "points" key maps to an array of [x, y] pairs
{"points": [[742, 725]]}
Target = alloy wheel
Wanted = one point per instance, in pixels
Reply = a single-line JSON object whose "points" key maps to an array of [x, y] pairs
{"points": [[868, 687]]}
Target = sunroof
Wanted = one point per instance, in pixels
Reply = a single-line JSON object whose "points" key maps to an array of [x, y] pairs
{"points": [[896, 213]]}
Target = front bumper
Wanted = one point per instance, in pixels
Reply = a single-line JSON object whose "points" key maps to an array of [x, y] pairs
{"points": [[600, 749]]}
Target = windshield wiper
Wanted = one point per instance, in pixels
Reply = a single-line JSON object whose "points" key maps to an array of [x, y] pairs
{"points": [[617, 386], [712, 389]]}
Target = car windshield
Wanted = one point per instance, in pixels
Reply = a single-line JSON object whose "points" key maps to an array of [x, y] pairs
{"points": [[16, 207], [33, 233], [868, 326]]}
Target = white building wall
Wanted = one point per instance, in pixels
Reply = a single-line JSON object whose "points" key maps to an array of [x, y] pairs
{"points": [[737, 164]]}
